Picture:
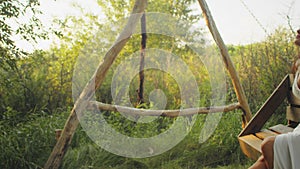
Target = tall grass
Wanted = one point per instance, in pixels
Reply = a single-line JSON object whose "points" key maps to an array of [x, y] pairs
{"points": [[221, 149], [27, 144]]}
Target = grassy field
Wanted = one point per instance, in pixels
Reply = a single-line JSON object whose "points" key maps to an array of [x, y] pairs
{"points": [[29, 144]]}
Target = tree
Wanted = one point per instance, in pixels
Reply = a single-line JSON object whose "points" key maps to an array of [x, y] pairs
{"points": [[18, 19], [10, 26]]}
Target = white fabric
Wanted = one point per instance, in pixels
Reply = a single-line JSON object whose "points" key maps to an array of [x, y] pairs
{"points": [[287, 146], [295, 88], [287, 150]]}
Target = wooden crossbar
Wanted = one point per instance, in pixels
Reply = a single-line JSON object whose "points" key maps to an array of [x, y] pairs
{"points": [[165, 113]]}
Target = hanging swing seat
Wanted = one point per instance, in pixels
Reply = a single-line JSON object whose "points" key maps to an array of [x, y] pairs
{"points": [[252, 135], [251, 143]]}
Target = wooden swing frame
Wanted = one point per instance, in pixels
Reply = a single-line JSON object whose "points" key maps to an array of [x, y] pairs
{"points": [[96, 80]]}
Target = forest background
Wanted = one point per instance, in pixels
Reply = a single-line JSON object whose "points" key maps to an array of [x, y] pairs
{"points": [[36, 88]]}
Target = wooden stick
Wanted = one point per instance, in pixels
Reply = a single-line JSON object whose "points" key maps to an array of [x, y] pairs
{"points": [[165, 113], [227, 61], [142, 59], [72, 122]]}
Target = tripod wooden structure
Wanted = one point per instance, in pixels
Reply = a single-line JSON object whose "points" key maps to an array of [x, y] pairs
{"points": [[96, 80]]}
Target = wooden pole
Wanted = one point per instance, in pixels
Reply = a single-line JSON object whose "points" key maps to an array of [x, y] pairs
{"points": [[165, 113], [142, 59], [72, 122], [227, 61]]}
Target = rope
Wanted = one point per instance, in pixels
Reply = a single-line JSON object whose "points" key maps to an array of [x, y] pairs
{"points": [[255, 18]]}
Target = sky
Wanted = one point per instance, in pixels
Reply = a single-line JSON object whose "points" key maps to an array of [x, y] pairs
{"points": [[239, 21], [238, 26]]}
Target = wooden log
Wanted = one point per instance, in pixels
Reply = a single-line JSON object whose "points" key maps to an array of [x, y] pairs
{"points": [[228, 63], [165, 113], [64, 141]]}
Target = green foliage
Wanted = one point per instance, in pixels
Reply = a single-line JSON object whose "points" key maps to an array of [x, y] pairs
{"points": [[18, 19], [36, 84], [263, 65], [10, 25], [115, 10], [25, 142]]}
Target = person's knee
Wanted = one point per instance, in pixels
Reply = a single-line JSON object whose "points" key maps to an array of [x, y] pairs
{"points": [[268, 151], [267, 145]]}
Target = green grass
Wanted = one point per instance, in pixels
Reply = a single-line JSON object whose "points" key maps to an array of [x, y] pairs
{"points": [[28, 145], [220, 151]]}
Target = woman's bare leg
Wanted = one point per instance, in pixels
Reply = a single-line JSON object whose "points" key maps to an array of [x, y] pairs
{"points": [[267, 148]]}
